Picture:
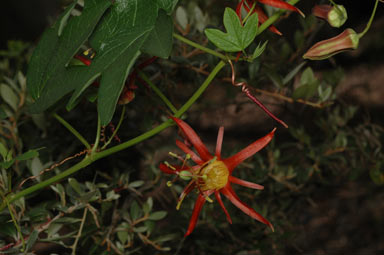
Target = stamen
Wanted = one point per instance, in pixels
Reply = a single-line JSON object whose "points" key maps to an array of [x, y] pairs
{"points": [[169, 165], [207, 198], [87, 52]]}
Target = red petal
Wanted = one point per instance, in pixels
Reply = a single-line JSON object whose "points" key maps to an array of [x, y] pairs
{"points": [[262, 17], [238, 9], [191, 185], [166, 169], [281, 5], [195, 214], [231, 195], [194, 139], [248, 151], [245, 183], [85, 61], [218, 197], [187, 150], [219, 142]]}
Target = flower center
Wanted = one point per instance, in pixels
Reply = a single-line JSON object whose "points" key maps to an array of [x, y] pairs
{"points": [[216, 173]]}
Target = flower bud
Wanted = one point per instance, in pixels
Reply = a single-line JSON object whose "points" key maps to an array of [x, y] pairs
{"points": [[335, 15], [347, 40]]}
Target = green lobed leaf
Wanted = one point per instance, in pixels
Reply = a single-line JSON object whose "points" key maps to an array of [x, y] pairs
{"points": [[167, 5], [56, 48], [238, 37], [117, 40], [259, 50], [159, 41]]}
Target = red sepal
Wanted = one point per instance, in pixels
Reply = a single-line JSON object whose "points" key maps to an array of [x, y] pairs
{"points": [[248, 151], [194, 139]]}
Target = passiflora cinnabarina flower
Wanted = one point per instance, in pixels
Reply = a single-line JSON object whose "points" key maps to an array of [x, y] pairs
{"points": [[212, 174]]}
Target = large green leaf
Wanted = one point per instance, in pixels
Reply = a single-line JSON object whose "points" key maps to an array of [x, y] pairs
{"points": [[117, 41], [159, 42], [59, 43], [238, 37]]}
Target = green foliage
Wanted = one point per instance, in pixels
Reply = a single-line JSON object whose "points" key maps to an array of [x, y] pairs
{"points": [[238, 37], [121, 204], [118, 37]]}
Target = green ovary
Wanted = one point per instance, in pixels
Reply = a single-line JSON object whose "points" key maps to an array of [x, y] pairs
{"points": [[216, 174]]}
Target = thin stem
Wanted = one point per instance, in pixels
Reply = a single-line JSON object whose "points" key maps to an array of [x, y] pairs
{"points": [[17, 226], [202, 88], [200, 47], [97, 139], [337, 8], [370, 20], [98, 155], [249, 13], [72, 130], [274, 17], [80, 231], [116, 129], [13, 197], [157, 91]]}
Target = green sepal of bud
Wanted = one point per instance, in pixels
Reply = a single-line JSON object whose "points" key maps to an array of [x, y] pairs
{"points": [[337, 16]]}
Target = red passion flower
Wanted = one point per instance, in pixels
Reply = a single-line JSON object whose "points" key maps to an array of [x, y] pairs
{"points": [[212, 174]]}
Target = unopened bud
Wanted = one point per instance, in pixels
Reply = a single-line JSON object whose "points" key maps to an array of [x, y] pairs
{"points": [[347, 40], [335, 15]]}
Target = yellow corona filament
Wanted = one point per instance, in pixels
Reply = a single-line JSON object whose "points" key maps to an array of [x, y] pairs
{"points": [[216, 173]]}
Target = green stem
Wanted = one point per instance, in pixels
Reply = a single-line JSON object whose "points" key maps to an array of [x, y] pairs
{"points": [[74, 246], [98, 155], [72, 130], [249, 13], [157, 91], [13, 197], [200, 47], [97, 139], [17, 226], [274, 17], [116, 129], [370, 20], [337, 8], [202, 88]]}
